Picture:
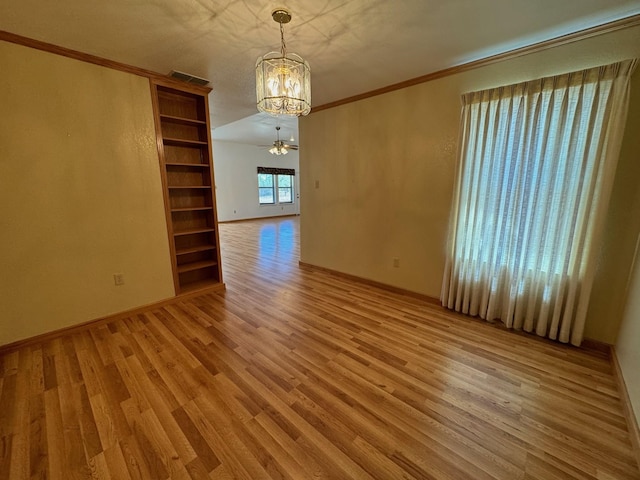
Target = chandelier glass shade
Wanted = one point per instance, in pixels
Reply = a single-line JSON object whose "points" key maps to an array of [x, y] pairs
{"points": [[283, 80]]}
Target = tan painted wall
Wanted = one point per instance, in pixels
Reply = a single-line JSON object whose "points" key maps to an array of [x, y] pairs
{"points": [[385, 167], [628, 345], [626, 213], [80, 193]]}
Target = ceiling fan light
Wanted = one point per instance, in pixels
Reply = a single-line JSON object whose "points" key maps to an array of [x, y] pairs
{"points": [[278, 150], [279, 147], [283, 81]]}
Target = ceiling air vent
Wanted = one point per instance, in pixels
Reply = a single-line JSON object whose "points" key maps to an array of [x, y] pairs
{"points": [[185, 77]]}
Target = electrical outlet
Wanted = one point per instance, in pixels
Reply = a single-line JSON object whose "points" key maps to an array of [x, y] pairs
{"points": [[317, 183], [396, 262], [118, 279]]}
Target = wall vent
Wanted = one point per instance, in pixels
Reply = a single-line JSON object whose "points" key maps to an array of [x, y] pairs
{"points": [[185, 77]]}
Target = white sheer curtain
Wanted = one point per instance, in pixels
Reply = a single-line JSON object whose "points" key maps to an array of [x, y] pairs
{"points": [[537, 162]]}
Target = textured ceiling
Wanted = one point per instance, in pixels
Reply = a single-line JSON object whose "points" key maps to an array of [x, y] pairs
{"points": [[353, 46]]}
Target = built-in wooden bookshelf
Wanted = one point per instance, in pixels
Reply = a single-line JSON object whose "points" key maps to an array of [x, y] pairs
{"points": [[184, 147]]}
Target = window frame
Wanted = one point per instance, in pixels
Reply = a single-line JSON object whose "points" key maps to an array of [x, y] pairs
{"points": [[290, 188], [262, 187], [275, 187]]}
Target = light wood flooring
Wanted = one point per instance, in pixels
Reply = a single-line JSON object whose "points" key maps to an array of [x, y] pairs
{"points": [[298, 374]]}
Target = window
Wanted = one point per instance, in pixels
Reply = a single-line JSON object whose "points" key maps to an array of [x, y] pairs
{"points": [[266, 192], [269, 179], [285, 189], [536, 167]]}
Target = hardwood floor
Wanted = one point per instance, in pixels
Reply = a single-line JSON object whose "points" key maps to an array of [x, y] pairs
{"points": [[297, 374]]}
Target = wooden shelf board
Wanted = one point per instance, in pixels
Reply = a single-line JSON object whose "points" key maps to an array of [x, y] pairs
{"points": [[188, 267], [208, 284], [181, 120], [184, 143], [191, 209], [200, 248], [191, 232], [177, 187], [195, 165]]}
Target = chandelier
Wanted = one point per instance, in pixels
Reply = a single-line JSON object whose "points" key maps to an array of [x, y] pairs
{"points": [[283, 80]]}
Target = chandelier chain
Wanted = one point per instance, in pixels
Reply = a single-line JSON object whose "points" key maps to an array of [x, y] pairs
{"points": [[283, 49]]}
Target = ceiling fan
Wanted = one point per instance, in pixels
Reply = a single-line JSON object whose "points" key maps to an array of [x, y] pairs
{"points": [[279, 147]]}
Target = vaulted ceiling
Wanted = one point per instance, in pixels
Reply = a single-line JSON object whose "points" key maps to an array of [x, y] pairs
{"points": [[353, 46]]}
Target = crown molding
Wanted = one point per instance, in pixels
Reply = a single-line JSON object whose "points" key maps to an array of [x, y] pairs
{"points": [[627, 22], [104, 62]]}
